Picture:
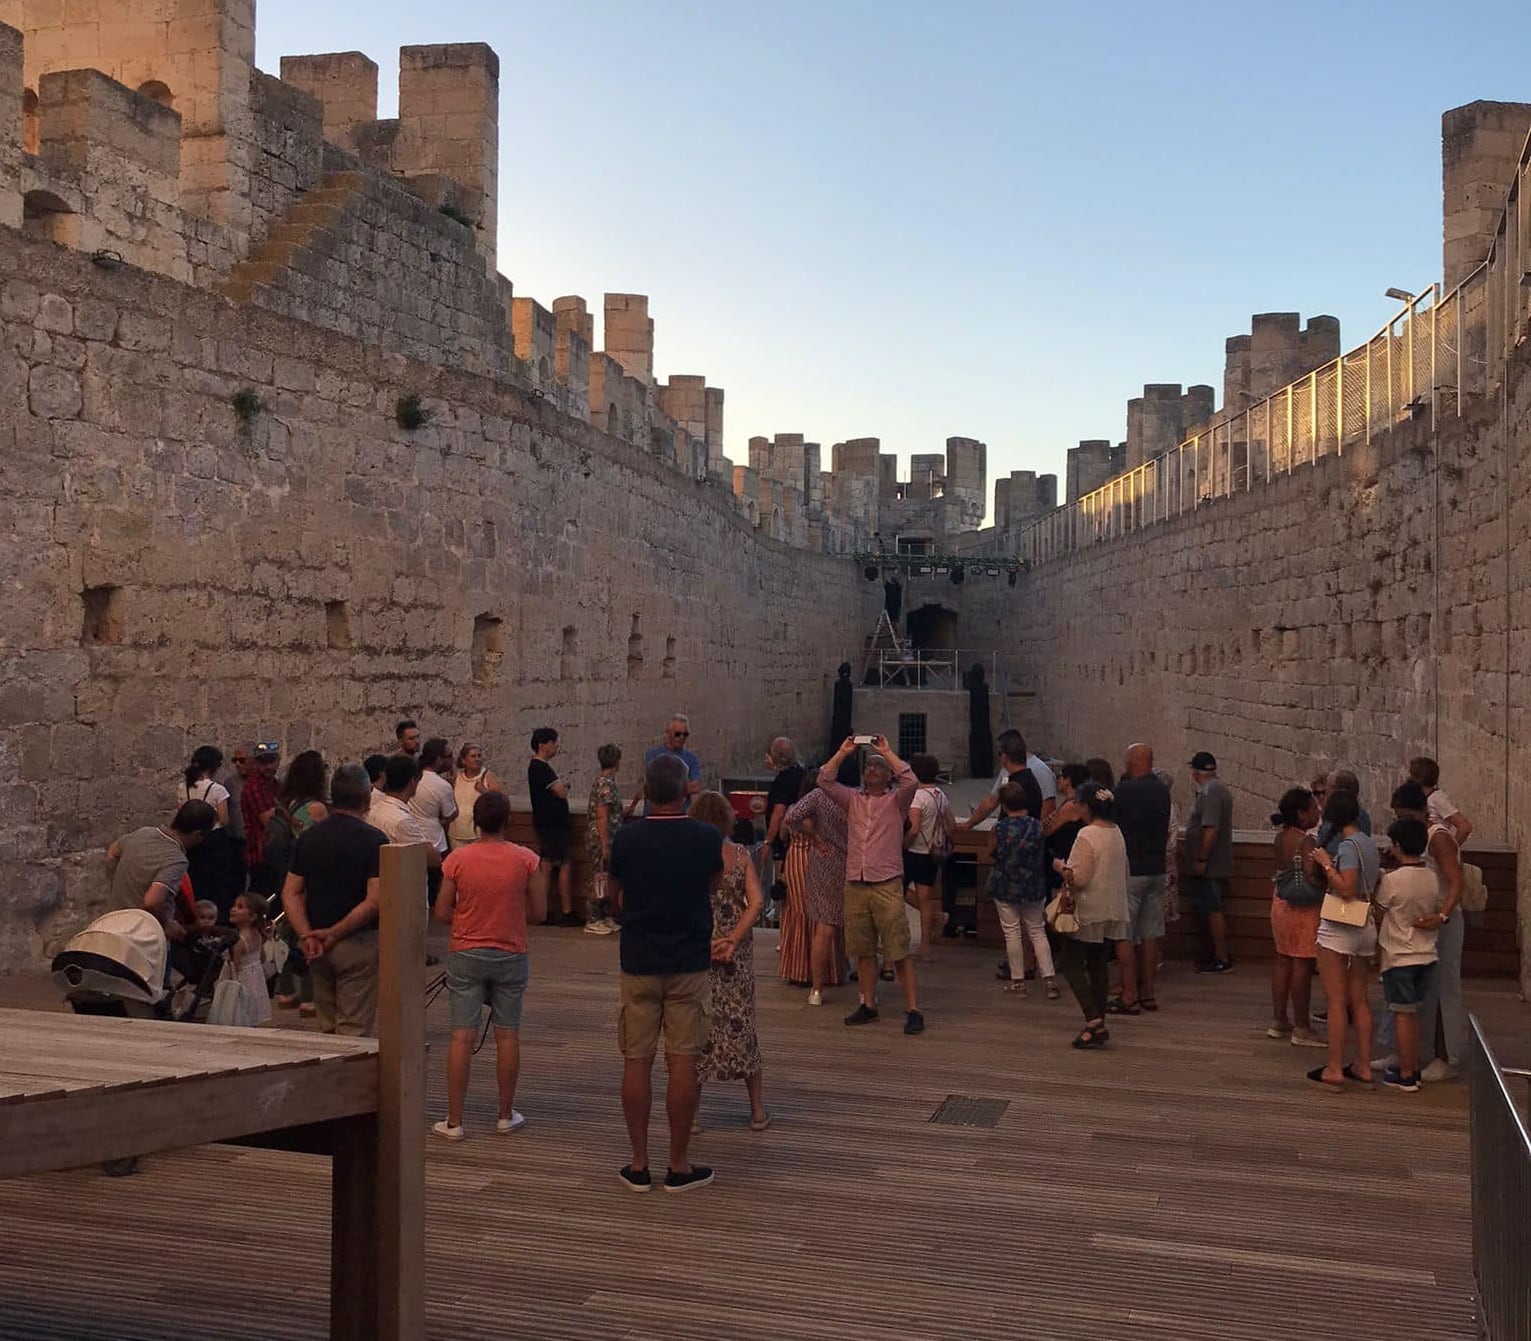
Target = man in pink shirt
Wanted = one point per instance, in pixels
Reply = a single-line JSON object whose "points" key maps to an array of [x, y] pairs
{"points": [[874, 873]]}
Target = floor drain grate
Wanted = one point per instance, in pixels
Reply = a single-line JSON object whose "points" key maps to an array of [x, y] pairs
{"points": [[965, 1110]]}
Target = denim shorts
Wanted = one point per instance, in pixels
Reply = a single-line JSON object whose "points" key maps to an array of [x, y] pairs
{"points": [[1404, 987], [1145, 908], [484, 977]]}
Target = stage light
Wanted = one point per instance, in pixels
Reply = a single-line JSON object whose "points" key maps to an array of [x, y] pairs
{"points": [[1010, 579], [870, 572], [958, 573]]}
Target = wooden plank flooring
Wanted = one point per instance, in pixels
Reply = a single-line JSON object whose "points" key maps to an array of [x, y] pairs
{"points": [[1183, 1184]]}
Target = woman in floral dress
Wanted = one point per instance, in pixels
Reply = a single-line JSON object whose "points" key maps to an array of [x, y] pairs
{"points": [[733, 1045], [816, 866], [602, 816]]}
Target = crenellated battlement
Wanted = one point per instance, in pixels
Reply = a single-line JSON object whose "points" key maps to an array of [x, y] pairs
{"points": [[154, 138]]}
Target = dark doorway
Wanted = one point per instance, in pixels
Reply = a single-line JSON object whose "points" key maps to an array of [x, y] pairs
{"points": [[932, 628]]}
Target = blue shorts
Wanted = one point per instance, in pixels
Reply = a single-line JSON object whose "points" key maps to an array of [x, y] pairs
{"points": [[1205, 893], [483, 977], [1404, 987]]}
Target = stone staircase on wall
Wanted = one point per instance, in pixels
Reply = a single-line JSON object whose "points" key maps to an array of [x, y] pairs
{"points": [[360, 255]]}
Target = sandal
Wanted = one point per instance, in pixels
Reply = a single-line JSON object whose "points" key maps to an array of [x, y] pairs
{"points": [[1092, 1036], [1116, 1006], [1149, 1002], [1350, 1074], [1316, 1077], [760, 1124], [1014, 988]]}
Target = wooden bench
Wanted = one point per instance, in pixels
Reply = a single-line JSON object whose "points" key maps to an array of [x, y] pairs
{"points": [[83, 1089]]}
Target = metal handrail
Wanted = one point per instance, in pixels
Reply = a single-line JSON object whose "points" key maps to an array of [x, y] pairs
{"points": [[929, 667], [1501, 1193]]}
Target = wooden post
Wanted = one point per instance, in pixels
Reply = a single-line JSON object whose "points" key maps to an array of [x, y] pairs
{"points": [[401, 1095]]}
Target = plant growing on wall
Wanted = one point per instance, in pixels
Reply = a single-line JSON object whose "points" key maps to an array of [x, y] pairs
{"points": [[410, 413], [247, 403]]}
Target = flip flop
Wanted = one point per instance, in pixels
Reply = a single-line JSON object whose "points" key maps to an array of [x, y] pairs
{"points": [[1350, 1074], [1116, 1006], [761, 1124], [1316, 1077], [1148, 1002]]}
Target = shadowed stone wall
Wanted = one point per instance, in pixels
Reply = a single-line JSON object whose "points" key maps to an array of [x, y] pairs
{"points": [[175, 576]]}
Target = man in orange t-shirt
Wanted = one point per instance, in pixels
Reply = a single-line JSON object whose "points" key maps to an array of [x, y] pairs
{"points": [[488, 889]]}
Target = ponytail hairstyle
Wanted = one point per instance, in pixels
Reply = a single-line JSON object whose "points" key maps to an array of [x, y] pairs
{"points": [[205, 759]]}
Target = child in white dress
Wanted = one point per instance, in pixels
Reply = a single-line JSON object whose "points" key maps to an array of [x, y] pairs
{"points": [[249, 919]]}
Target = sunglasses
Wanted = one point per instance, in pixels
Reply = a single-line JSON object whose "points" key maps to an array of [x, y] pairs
{"points": [[680, 735]]}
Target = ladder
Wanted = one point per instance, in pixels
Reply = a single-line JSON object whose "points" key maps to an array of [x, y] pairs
{"points": [[884, 640]]}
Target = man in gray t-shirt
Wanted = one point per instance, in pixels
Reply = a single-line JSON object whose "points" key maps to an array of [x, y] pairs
{"points": [[1209, 856], [147, 865]]}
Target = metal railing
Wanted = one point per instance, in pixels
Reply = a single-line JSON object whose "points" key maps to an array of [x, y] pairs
{"points": [[928, 668], [1501, 1195], [1439, 350]]}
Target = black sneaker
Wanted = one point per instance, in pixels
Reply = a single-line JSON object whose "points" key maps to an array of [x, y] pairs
{"points": [[699, 1176], [863, 1014], [914, 1023], [1214, 966], [635, 1180]]}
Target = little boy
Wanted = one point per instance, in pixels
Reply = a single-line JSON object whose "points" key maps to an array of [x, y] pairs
{"points": [[1409, 905]]}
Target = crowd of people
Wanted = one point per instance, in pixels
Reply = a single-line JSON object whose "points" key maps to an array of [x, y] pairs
{"points": [[1087, 870]]}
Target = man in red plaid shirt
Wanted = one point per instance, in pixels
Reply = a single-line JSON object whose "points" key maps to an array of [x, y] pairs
{"points": [[257, 803]]}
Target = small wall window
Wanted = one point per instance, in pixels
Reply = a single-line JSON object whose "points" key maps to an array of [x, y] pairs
{"points": [[102, 616], [488, 651], [669, 658], [635, 651], [613, 420], [337, 624], [155, 91], [44, 215], [568, 659], [911, 734], [31, 122]]}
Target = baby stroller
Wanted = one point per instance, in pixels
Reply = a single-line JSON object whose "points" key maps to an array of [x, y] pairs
{"points": [[117, 966]]}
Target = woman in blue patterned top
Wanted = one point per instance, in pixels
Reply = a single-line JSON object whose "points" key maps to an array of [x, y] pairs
{"points": [[1018, 886]]}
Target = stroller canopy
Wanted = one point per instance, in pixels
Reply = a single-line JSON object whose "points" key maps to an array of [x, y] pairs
{"points": [[133, 941]]}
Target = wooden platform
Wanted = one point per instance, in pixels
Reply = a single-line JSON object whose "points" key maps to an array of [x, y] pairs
{"points": [[1185, 1183]]}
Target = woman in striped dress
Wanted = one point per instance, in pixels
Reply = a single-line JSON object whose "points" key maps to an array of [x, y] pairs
{"points": [[816, 879], [794, 965]]}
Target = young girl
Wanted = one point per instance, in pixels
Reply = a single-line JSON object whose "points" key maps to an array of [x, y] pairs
{"points": [[249, 919]]}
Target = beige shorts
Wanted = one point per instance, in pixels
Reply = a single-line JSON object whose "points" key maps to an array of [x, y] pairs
{"points": [[874, 916], [672, 1004]]}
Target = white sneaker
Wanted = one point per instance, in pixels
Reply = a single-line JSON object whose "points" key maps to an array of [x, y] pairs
{"points": [[1306, 1038], [513, 1123], [598, 928], [447, 1131], [815, 997], [1438, 1070], [1388, 1063]]}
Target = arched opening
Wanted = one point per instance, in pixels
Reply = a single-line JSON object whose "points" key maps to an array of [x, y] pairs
{"points": [[543, 372], [158, 92], [44, 215], [613, 419], [31, 122], [932, 628]]}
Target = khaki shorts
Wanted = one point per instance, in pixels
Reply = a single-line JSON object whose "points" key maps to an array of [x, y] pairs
{"points": [[874, 915], [674, 1004]]}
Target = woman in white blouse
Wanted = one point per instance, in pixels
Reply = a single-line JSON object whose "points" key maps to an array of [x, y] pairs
{"points": [[1095, 892]]}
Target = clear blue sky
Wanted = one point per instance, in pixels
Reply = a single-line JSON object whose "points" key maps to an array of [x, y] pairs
{"points": [[991, 220]]}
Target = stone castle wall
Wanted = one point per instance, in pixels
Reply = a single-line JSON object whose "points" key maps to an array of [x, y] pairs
{"points": [[175, 575], [1357, 612]]}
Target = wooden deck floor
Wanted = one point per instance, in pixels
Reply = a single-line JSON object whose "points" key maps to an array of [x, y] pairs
{"points": [[1183, 1184]]}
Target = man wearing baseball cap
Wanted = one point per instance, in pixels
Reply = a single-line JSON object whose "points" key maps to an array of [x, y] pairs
{"points": [[1209, 856]]}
